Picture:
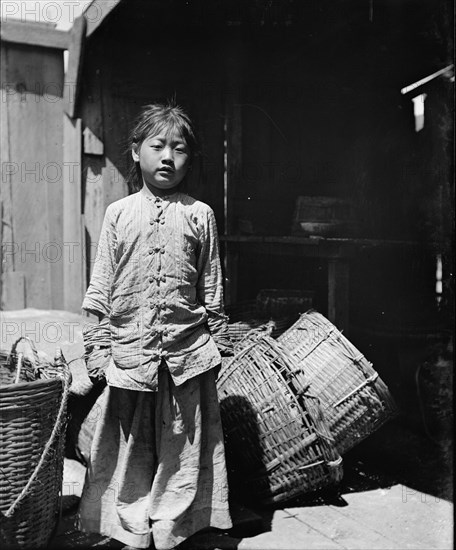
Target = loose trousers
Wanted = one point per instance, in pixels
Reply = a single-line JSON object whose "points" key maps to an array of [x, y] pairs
{"points": [[157, 470]]}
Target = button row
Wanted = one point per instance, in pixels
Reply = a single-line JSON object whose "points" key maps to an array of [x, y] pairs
{"points": [[161, 304], [157, 249], [158, 278], [160, 330]]}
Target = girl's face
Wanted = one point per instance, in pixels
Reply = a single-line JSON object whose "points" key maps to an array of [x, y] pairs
{"points": [[164, 160]]}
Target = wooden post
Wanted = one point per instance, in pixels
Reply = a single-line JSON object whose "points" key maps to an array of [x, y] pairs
{"points": [[338, 293], [75, 56], [72, 228], [233, 159], [233, 143]]}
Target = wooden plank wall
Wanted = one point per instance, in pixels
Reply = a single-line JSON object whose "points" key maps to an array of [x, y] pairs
{"points": [[32, 85], [102, 177]]}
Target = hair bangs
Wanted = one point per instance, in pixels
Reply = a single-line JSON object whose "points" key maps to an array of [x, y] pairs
{"points": [[157, 118]]}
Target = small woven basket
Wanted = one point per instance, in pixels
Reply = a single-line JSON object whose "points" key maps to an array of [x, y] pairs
{"points": [[32, 438], [277, 442], [354, 399]]}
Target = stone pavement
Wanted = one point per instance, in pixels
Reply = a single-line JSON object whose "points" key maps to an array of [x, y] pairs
{"points": [[394, 518], [396, 494]]}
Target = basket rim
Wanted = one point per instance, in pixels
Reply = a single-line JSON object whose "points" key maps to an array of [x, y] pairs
{"points": [[32, 384]]}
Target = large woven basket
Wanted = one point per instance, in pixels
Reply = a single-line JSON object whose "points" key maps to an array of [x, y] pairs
{"points": [[277, 442], [32, 438], [354, 398]]}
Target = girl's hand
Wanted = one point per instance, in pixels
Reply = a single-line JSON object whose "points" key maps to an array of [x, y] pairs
{"points": [[81, 386]]}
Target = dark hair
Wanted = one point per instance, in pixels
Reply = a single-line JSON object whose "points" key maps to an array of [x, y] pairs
{"points": [[152, 120]]}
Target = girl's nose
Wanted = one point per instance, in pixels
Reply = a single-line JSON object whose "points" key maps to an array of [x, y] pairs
{"points": [[167, 154]]}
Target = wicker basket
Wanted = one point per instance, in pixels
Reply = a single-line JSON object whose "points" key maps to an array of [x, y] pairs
{"points": [[355, 400], [249, 314], [277, 443], [32, 437]]}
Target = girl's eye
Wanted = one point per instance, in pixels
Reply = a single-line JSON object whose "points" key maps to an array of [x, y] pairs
{"points": [[156, 146], [180, 150]]}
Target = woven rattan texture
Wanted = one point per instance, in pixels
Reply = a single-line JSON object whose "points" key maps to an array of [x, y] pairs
{"points": [[246, 315], [32, 415], [276, 440], [354, 399], [8, 369]]}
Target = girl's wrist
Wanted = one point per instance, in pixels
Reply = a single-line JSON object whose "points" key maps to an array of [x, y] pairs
{"points": [[94, 316]]}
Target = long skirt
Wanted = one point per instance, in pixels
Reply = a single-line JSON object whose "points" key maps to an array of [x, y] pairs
{"points": [[157, 470]]}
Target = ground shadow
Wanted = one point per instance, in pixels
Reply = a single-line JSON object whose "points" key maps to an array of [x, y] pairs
{"points": [[401, 453], [245, 462]]}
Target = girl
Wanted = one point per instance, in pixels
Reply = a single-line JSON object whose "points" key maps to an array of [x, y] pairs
{"points": [[157, 469]]}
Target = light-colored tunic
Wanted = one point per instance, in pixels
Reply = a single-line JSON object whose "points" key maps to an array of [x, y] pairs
{"points": [[157, 276]]}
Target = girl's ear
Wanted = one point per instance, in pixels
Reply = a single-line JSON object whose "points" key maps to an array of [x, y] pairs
{"points": [[135, 152]]}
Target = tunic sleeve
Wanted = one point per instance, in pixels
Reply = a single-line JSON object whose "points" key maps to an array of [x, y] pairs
{"points": [[98, 295], [210, 284]]}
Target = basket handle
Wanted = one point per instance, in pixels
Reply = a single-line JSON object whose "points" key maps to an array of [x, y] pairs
{"points": [[58, 422], [31, 344], [20, 356]]}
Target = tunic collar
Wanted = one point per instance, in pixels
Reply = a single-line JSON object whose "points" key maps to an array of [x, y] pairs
{"points": [[149, 195]]}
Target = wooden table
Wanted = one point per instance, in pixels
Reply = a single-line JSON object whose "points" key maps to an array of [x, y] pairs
{"points": [[336, 251]]}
